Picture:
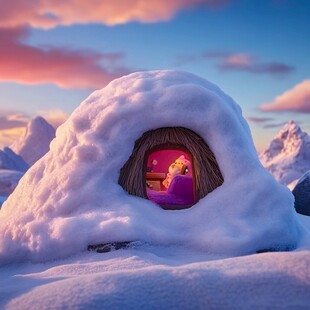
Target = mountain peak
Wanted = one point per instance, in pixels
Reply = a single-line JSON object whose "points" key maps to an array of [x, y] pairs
{"points": [[35, 141], [288, 154], [290, 130]]}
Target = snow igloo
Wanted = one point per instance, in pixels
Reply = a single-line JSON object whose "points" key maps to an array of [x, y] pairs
{"points": [[98, 182]]}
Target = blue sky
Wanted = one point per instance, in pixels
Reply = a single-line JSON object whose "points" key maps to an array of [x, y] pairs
{"points": [[255, 51]]}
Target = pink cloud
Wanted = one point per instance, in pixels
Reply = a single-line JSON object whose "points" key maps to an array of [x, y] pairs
{"points": [[249, 63], [239, 62], [66, 68], [296, 99], [48, 14]]}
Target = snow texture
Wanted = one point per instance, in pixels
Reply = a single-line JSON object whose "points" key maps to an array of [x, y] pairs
{"points": [[160, 278], [71, 197], [287, 157], [36, 140], [10, 161]]}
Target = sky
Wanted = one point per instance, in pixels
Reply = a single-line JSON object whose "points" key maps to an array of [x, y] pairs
{"points": [[54, 54]]}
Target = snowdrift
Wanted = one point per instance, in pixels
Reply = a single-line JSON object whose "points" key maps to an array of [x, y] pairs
{"points": [[71, 197]]}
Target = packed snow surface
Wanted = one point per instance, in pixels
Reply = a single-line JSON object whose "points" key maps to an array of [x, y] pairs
{"points": [[149, 277], [71, 197], [35, 141], [288, 155]]}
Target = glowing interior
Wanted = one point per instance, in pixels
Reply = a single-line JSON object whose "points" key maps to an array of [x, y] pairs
{"points": [[172, 189]]}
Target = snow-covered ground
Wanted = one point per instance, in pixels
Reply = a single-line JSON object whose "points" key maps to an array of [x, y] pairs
{"points": [[149, 277]]}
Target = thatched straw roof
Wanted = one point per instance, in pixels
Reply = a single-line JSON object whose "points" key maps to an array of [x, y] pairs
{"points": [[206, 173]]}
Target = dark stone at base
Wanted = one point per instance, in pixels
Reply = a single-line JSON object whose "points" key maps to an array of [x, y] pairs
{"points": [[302, 196], [108, 247]]}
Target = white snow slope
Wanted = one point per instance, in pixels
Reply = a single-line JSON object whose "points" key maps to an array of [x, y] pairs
{"points": [[71, 197], [36, 140], [287, 157]]}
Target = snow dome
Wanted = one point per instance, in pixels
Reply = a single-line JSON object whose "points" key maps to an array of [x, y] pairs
{"points": [[72, 198]]}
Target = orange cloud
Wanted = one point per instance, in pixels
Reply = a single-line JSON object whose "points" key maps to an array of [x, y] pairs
{"points": [[48, 14], [12, 126], [8, 136], [11, 120], [296, 99], [63, 67]]}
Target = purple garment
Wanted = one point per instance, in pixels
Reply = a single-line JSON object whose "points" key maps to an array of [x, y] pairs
{"points": [[179, 193]]}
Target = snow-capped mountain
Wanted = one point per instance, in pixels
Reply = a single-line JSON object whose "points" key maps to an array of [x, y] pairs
{"points": [[8, 181], [10, 161], [288, 155], [36, 140]]}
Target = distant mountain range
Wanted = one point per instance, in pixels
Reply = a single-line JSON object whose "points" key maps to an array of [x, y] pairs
{"points": [[287, 157]]}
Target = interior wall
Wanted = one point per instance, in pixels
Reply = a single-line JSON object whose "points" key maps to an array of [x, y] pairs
{"points": [[165, 158]]}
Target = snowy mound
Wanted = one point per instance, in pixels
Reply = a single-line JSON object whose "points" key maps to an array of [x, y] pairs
{"points": [[10, 161], [288, 154], [71, 197], [36, 140]]}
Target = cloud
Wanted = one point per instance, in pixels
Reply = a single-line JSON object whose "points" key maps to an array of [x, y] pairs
{"points": [[12, 126], [48, 14], [248, 63], [239, 62], [259, 120], [63, 67], [55, 117], [8, 136], [296, 99], [276, 125], [10, 121]]}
